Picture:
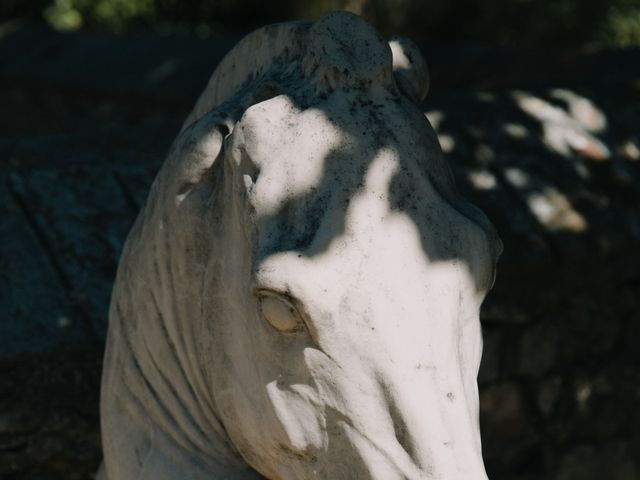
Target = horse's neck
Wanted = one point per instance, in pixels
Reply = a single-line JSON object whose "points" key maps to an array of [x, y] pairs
{"points": [[152, 435], [156, 414], [165, 460], [158, 457]]}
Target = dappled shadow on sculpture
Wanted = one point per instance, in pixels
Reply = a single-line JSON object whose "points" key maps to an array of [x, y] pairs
{"points": [[303, 280]]}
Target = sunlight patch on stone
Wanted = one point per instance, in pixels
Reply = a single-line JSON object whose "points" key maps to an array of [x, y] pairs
{"points": [[483, 179], [555, 212], [562, 133], [515, 130], [516, 177], [447, 143], [435, 118], [582, 110]]}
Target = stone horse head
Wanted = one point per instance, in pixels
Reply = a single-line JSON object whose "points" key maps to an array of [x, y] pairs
{"points": [[299, 297]]}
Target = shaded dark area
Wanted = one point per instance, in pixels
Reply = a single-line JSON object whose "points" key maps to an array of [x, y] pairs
{"points": [[49, 415], [546, 142], [497, 22]]}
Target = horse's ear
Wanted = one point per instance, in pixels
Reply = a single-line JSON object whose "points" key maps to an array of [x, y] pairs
{"points": [[409, 68], [254, 55], [227, 95], [194, 152]]}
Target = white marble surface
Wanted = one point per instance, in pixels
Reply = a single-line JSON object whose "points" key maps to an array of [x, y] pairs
{"points": [[299, 296]]}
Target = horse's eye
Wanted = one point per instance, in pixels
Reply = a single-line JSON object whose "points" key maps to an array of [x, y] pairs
{"points": [[280, 312]]}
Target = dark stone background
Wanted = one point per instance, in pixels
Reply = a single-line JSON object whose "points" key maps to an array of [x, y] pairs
{"points": [[546, 142]]}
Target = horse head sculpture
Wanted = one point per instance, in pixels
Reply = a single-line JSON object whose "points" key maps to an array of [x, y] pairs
{"points": [[299, 297]]}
